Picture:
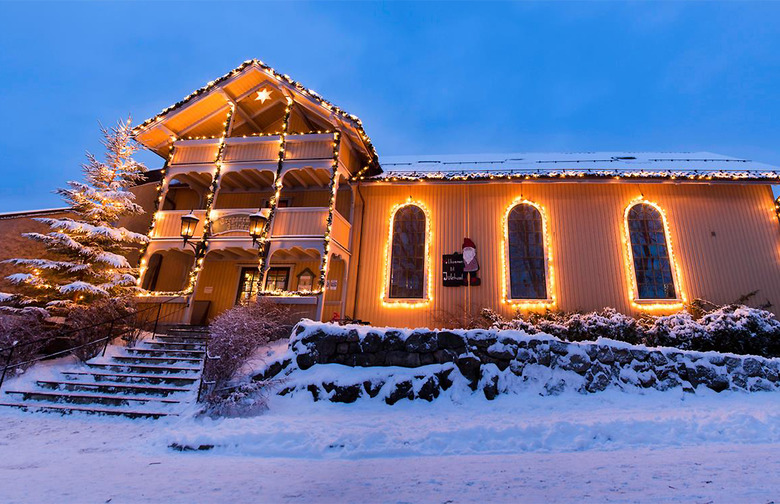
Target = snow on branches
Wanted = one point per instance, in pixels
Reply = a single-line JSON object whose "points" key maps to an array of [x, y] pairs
{"points": [[86, 255]]}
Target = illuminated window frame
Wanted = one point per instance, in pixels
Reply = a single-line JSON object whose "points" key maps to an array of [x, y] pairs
{"points": [[385, 298], [651, 304], [506, 288]]}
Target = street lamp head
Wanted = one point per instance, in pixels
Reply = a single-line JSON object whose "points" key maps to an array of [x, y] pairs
{"points": [[188, 224], [257, 223]]}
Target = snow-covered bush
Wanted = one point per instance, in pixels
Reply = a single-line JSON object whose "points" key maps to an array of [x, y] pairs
{"points": [[245, 400], [27, 329], [461, 318], [679, 330], [733, 329], [605, 324], [742, 330], [86, 324], [237, 333]]}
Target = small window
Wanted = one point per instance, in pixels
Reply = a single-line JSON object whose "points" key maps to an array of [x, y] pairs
{"points": [[248, 285], [650, 253], [407, 254], [305, 280], [276, 279], [526, 253]]}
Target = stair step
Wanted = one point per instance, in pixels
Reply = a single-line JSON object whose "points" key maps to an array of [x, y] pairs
{"points": [[161, 345], [160, 351], [149, 368], [187, 340], [111, 387], [151, 359], [133, 377], [66, 409], [70, 397]]}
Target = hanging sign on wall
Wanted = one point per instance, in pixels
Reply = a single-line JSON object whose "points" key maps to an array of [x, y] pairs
{"points": [[452, 270]]}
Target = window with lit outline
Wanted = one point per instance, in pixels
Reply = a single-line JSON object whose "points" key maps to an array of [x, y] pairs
{"points": [[407, 258], [653, 273], [528, 275]]}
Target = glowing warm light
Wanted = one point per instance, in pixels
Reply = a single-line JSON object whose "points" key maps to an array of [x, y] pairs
{"points": [[628, 259], [263, 95], [384, 296], [506, 288]]}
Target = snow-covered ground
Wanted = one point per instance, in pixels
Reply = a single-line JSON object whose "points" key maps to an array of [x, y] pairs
{"points": [[606, 447]]}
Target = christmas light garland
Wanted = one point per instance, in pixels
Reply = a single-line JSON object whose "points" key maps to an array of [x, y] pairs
{"points": [[384, 295], [506, 288], [331, 208], [262, 254], [777, 208], [653, 304], [562, 174], [202, 248], [142, 260], [309, 93]]}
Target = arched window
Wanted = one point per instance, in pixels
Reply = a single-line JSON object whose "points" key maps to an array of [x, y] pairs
{"points": [[407, 254], [650, 253], [526, 253]]}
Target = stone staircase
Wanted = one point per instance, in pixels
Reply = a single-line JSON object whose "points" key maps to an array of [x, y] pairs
{"points": [[156, 378]]}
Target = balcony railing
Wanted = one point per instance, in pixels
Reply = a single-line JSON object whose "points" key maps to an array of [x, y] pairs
{"points": [[168, 223], [238, 150], [299, 222], [195, 152]]}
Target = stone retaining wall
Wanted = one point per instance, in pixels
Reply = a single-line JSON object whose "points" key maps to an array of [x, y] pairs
{"points": [[497, 361]]}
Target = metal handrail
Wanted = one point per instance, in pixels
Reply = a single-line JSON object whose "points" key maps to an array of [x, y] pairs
{"points": [[206, 358], [105, 339]]}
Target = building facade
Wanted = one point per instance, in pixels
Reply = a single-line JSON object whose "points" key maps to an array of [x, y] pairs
{"points": [[269, 190]]}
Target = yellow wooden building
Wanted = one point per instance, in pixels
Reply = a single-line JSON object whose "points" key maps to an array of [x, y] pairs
{"points": [[270, 190]]}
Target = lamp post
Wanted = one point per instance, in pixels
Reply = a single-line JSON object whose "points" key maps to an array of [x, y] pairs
{"points": [[189, 223], [257, 222]]}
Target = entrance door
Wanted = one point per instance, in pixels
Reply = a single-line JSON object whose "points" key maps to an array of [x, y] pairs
{"points": [[248, 285]]}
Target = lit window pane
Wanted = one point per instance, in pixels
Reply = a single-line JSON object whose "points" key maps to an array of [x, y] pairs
{"points": [[407, 263], [527, 272], [651, 257]]}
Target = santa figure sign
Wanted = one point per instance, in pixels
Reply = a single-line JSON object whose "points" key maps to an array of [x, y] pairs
{"points": [[470, 264]]}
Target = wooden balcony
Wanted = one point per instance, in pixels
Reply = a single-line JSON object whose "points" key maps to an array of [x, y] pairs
{"points": [[310, 223], [299, 222], [262, 150], [194, 152]]}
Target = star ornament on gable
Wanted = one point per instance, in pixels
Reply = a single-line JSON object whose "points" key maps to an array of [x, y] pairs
{"points": [[263, 95]]}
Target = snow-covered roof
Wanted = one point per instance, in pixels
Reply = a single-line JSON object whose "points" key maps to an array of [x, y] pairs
{"points": [[682, 165], [33, 213]]}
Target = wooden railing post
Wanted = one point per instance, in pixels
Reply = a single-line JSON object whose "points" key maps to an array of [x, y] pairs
{"points": [[156, 320], [8, 362], [108, 338]]}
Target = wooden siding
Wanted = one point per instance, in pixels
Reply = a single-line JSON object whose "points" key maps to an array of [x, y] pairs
{"points": [[309, 148], [726, 240], [299, 222], [169, 223], [172, 312], [260, 149], [185, 153], [226, 200], [341, 230], [222, 277]]}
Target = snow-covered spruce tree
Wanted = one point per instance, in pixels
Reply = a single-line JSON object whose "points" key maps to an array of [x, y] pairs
{"points": [[86, 255]]}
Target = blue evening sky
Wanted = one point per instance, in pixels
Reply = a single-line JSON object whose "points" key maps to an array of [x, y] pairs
{"points": [[425, 78]]}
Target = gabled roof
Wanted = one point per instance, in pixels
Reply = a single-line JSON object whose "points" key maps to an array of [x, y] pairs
{"points": [[296, 88], [676, 165]]}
